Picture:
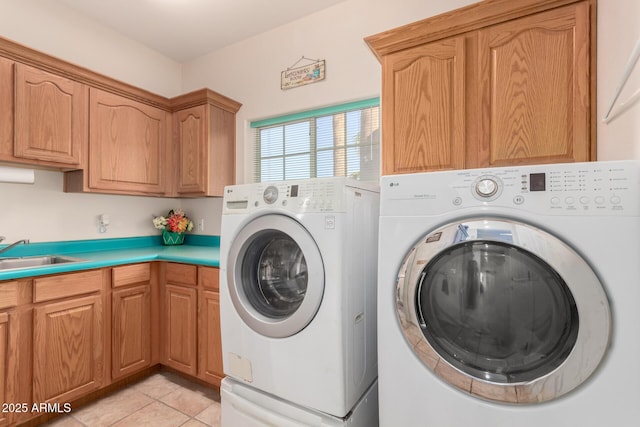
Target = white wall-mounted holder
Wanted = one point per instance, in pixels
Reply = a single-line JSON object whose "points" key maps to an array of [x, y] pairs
{"points": [[635, 54], [103, 222], [17, 175]]}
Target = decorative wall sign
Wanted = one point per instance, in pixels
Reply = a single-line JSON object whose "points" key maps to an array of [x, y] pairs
{"points": [[304, 75]]}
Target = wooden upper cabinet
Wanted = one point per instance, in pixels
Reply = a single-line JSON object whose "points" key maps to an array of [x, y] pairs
{"points": [[534, 76], [111, 137], [496, 83], [6, 110], [191, 139], [50, 117], [204, 139], [423, 99], [127, 145]]}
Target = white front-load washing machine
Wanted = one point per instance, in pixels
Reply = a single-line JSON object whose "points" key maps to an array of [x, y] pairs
{"points": [[298, 268], [510, 297]]}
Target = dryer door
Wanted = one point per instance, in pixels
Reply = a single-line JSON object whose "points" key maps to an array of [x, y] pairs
{"points": [[503, 310], [275, 276]]}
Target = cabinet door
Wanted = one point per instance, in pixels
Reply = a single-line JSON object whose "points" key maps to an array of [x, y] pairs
{"points": [[209, 338], [205, 142], [222, 150], [4, 363], [423, 110], [180, 313], [6, 109], [67, 349], [191, 140], [12, 376], [127, 143], [131, 330], [50, 116], [16, 336], [534, 73]]}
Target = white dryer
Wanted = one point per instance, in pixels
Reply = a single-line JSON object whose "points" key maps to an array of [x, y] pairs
{"points": [[509, 296], [298, 266]]}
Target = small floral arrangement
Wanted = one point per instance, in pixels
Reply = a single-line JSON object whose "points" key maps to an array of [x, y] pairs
{"points": [[175, 221]]}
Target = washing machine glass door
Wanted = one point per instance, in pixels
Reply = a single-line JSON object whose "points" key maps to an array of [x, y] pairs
{"points": [[276, 276], [503, 310]]}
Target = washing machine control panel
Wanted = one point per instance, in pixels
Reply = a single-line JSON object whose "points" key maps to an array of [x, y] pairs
{"points": [[573, 188], [296, 196]]}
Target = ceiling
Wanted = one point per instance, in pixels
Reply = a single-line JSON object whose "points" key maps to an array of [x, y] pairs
{"points": [[185, 29]]}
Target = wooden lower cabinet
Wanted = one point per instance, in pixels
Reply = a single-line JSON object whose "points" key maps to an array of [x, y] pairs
{"points": [[132, 302], [209, 334], [131, 330], [192, 341], [180, 345], [209, 338], [60, 335], [4, 362], [15, 351], [67, 349], [14, 379]]}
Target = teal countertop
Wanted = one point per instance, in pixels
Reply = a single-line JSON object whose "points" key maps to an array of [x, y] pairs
{"points": [[198, 249]]}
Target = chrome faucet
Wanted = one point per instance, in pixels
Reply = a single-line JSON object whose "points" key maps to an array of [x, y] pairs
{"points": [[25, 241]]}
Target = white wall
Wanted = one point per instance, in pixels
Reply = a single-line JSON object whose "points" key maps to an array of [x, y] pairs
{"points": [[618, 33], [42, 212], [57, 30], [249, 72]]}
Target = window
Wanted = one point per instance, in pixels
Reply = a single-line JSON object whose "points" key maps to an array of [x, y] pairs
{"points": [[336, 141]]}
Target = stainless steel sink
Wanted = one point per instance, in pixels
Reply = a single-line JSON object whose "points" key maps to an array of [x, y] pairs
{"points": [[34, 261]]}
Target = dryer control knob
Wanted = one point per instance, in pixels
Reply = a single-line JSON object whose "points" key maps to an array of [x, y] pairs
{"points": [[486, 187]]}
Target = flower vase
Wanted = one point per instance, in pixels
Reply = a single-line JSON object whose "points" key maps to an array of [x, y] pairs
{"points": [[170, 238]]}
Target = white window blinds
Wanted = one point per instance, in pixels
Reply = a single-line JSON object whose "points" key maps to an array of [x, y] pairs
{"points": [[342, 140]]}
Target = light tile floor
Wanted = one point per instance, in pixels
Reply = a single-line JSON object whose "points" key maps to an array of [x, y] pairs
{"points": [[161, 400]]}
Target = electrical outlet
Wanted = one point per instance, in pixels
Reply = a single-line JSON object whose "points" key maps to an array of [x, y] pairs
{"points": [[201, 224]]}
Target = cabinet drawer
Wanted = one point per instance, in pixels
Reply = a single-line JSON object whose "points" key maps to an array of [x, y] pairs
{"points": [[182, 273], [8, 294], [209, 278], [130, 274], [66, 285]]}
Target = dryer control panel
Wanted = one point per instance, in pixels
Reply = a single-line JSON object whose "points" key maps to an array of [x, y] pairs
{"points": [[595, 188]]}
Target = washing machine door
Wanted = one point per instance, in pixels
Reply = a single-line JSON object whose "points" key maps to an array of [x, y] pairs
{"points": [[503, 310], [275, 276]]}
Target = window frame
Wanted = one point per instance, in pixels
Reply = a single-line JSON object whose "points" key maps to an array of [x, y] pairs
{"points": [[309, 117]]}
